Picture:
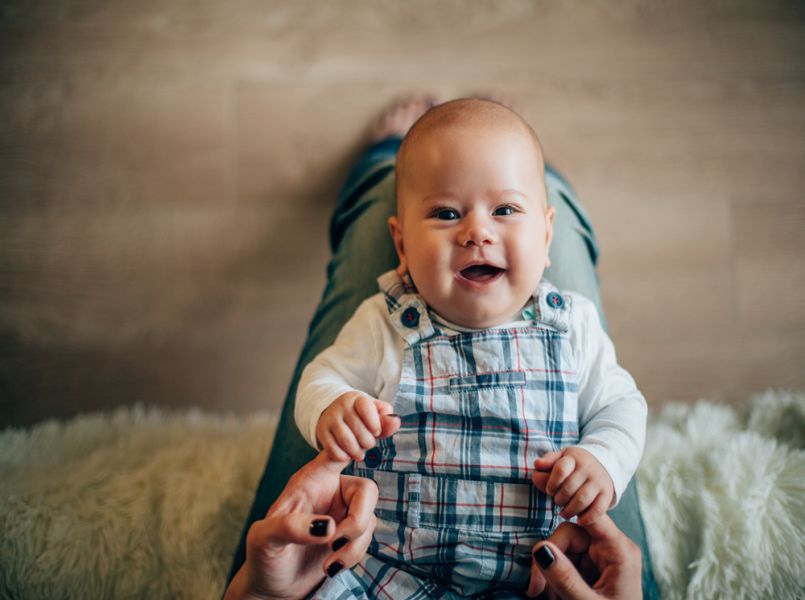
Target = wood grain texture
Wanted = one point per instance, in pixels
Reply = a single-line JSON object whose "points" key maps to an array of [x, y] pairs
{"points": [[167, 171]]}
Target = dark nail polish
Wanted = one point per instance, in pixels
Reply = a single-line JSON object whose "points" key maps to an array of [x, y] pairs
{"points": [[339, 543], [334, 568], [544, 557], [319, 527]]}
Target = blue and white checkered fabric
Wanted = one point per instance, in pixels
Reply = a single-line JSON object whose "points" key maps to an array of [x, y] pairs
{"points": [[457, 512]]}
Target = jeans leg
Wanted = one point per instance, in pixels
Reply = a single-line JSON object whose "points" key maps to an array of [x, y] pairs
{"points": [[574, 250], [362, 250]]}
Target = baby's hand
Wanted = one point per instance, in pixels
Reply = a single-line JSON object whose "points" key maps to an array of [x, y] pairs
{"points": [[577, 481], [351, 424]]}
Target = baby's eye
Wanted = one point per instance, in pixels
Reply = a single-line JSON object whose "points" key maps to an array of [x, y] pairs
{"points": [[502, 211], [446, 214]]}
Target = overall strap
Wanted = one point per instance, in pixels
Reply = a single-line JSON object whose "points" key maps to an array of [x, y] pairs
{"points": [[408, 312], [551, 307]]}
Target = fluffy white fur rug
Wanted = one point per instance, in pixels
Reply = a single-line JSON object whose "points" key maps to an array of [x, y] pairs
{"points": [[149, 504]]}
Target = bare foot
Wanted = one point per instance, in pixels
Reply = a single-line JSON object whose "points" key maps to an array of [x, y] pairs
{"points": [[398, 118]]}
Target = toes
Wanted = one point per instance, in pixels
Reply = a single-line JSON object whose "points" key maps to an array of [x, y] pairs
{"points": [[398, 118]]}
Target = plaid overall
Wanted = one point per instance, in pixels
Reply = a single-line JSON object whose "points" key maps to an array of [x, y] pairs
{"points": [[457, 513]]}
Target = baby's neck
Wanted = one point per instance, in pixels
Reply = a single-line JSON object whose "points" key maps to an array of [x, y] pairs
{"points": [[458, 327]]}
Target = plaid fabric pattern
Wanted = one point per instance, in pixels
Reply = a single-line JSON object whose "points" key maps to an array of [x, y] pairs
{"points": [[395, 289], [457, 512]]}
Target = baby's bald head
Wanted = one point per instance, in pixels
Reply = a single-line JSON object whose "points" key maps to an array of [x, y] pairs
{"points": [[468, 116]]}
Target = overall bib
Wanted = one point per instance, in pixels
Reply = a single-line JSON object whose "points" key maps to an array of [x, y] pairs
{"points": [[457, 512]]}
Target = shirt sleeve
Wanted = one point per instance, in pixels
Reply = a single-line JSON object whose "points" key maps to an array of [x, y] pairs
{"points": [[350, 364], [612, 411]]}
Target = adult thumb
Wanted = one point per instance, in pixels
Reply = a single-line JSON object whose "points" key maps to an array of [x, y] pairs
{"points": [[274, 533], [560, 574]]}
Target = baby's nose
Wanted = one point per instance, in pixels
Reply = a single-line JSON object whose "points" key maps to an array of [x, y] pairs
{"points": [[476, 231]]}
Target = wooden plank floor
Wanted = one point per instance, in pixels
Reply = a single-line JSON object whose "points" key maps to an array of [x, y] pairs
{"points": [[167, 173]]}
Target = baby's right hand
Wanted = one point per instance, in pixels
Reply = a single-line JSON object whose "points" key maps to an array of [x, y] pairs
{"points": [[352, 423]]}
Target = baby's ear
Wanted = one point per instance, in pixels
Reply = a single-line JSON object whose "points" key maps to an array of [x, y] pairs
{"points": [[549, 215], [396, 234]]}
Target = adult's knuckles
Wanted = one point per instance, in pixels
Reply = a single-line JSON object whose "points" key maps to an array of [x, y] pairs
{"points": [[633, 551]]}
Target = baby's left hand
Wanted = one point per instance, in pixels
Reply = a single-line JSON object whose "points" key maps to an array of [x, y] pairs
{"points": [[577, 481]]}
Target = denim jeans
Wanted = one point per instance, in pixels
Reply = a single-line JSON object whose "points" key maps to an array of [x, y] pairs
{"points": [[362, 249]]}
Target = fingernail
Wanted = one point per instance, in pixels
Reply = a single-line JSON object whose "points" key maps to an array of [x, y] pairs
{"points": [[319, 527], [395, 415], [334, 568], [544, 557], [339, 543]]}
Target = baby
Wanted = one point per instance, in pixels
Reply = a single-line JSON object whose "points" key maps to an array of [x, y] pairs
{"points": [[469, 378]]}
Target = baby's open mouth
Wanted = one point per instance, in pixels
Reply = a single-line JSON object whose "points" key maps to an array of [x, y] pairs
{"points": [[481, 272]]}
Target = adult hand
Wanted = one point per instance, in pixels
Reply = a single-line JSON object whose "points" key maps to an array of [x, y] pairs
{"points": [[321, 523], [573, 559]]}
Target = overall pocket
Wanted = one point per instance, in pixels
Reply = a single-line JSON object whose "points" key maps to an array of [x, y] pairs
{"points": [[479, 506]]}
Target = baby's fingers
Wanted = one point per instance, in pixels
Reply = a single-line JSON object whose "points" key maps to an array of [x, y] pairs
{"points": [[583, 499], [597, 510], [560, 471], [540, 479], [547, 460], [346, 440], [364, 437], [389, 422], [570, 486], [331, 447], [366, 409]]}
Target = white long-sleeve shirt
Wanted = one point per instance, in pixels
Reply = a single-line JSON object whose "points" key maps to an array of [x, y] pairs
{"points": [[367, 356]]}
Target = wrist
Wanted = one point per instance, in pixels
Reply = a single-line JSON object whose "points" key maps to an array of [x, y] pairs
{"points": [[239, 589]]}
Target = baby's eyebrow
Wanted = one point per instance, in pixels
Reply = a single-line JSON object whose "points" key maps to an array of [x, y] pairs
{"points": [[511, 191], [436, 196]]}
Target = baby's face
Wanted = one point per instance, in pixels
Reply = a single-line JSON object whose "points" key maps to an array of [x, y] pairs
{"points": [[472, 227]]}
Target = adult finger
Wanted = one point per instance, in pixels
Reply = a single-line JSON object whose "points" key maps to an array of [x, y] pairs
{"points": [[569, 538], [354, 533], [596, 510], [536, 582], [274, 533], [324, 464], [603, 529], [331, 447], [560, 574], [620, 548], [347, 553], [360, 497]]}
